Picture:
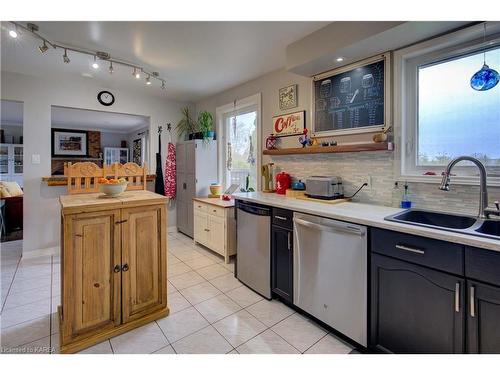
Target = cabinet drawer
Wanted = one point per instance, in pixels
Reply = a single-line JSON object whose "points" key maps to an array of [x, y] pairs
{"points": [[441, 255], [482, 265], [200, 206], [215, 210], [283, 218]]}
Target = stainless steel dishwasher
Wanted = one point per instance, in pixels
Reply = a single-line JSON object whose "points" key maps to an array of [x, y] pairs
{"points": [[253, 241], [330, 273]]}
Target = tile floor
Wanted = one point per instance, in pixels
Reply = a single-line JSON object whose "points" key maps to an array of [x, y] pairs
{"points": [[211, 311]]}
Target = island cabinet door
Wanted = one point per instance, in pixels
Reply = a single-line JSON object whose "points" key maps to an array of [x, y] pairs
{"points": [[144, 261], [91, 265]]}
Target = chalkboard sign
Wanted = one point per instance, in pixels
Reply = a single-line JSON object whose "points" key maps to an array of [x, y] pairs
{"points": [[351, 99]]}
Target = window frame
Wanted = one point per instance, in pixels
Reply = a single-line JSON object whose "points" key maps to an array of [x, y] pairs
{"points": [[253, 101], [406, 63]]}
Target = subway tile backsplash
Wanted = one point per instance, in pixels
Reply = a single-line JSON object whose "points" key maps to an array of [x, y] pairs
{"points": [[355, 169]]}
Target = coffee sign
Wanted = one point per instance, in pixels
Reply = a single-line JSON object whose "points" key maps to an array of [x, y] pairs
{"points": [[290, 124]]}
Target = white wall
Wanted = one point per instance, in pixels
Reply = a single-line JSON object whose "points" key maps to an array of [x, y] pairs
{"points": [[41, 207]]}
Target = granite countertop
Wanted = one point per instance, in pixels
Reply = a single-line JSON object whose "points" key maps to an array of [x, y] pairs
{"points": [[365, 214]]}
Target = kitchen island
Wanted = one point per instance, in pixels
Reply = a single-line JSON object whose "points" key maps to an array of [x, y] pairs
{"points": [[113, 265]]}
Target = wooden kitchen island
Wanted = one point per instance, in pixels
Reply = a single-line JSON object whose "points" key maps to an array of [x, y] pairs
{"points": [[113, 265]]}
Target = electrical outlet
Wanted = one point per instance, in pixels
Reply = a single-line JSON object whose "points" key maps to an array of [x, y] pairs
{"points": [[369, 181]]}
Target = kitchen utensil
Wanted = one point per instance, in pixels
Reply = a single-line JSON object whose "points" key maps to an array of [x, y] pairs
{"points": [[267, 174], [298, 185]]}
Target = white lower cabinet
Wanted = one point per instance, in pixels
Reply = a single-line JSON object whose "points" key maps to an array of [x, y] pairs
{"points": [[215, 228]]}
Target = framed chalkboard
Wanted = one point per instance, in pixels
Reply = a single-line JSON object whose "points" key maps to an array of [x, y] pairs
{"points": [[352, 99]]}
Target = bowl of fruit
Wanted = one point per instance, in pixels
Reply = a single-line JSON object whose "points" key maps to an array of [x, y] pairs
{"points": [[112, 187]]}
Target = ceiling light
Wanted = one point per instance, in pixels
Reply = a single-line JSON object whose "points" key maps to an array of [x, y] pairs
{"points": [[339, 59], [136, 74], [95, 65], [163, 85], [111, 67], [65, 57], [148, 81], [43, 48], [13, 33]]}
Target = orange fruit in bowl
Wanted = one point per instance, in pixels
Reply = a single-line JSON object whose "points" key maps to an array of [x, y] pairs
{"points": [[113, 181], [102, 180]]}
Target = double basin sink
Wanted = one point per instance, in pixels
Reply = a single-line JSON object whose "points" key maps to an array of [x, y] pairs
{"points": [[451, 222]]}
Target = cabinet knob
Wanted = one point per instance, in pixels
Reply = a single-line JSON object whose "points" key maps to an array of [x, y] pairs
{"points": [[125, 267], [117, 268]]}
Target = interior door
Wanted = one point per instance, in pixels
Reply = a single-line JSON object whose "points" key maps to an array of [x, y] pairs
{"points": [[143, 261], [92, 252]]}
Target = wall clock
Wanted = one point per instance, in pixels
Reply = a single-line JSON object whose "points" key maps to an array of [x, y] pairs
{"points": [[106, 98]]}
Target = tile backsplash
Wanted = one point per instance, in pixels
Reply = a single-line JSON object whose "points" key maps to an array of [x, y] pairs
{"points": [[355, 169]]}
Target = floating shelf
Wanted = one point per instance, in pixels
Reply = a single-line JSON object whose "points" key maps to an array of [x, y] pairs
{"points": [[61, 180], [383, 146]]}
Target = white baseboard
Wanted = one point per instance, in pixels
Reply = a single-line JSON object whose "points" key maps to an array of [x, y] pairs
{"points": [[56, 250]]}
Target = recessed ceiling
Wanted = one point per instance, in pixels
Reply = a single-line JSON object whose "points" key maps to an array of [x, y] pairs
{"points": [[197, 59], [75, 118]]}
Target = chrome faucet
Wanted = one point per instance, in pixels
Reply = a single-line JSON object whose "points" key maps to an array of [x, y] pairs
{"points": [[484, 211]]}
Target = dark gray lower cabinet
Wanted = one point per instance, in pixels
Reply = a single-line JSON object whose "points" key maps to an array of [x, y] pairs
{"points": [[282, 262], [415, 309], [483, 318]]}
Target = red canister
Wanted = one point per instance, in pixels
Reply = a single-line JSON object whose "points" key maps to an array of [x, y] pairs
{"points": [[283, 182]]}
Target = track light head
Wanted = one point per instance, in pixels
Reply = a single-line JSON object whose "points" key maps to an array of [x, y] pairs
{"points": [[111, 70], [163, 85], [136, 74], [13, 33], [43, 48], [148, 80], [65, 57], [95, 65]]}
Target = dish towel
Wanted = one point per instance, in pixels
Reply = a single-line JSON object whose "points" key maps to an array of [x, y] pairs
{"points": [[170, 172]]}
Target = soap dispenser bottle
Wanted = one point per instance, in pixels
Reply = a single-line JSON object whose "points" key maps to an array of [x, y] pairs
{"points": [[405, 199]]}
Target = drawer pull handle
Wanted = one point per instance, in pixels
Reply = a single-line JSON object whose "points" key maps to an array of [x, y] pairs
{"points": [[121, 222], [472, 302], [206, 230], [214, 210], [125, 267], [410, 249], [117, 268], [457, 297], [289, 242], [280, 217]]}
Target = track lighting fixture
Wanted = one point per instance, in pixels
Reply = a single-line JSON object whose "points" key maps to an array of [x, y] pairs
{"points": [[43, 48], [13, 33], [163, 85], [148, 81], [65, 57], [95, 65], [136, 74], [111, 70]]}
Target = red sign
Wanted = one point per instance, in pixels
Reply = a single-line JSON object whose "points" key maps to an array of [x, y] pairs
{"points": [[290, 124]]}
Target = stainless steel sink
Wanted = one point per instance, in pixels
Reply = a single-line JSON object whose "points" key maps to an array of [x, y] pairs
{"points": [[451, 222]]}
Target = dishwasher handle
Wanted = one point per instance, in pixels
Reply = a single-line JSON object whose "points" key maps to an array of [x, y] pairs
{"points": [[332, 226], [255, 210]]}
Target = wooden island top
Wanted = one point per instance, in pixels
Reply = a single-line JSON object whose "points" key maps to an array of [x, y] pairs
{"points": [[216, 202]]}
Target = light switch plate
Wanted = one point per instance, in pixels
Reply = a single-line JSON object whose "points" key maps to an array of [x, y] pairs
{"points": [[35, 159]]}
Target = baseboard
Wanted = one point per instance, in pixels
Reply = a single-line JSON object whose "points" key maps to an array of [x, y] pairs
{"points": [[56, 250]]}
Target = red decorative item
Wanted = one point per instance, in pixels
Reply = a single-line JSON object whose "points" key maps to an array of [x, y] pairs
{"points": [[271, 142], [283, 182], [170, 172]]}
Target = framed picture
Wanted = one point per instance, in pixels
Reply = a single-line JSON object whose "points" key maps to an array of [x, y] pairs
{"points": [[353, 99], [69, 142], [290, 124], [288, 97]]}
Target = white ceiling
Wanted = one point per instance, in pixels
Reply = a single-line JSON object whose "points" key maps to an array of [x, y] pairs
{"points": [[197, 59]]}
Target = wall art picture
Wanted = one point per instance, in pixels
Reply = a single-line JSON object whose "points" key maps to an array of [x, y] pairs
{"points": [[288, 97], [69, 142], [289, 124]]}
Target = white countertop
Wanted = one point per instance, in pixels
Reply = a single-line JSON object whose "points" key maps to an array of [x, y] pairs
{"points": [[365, 214]]}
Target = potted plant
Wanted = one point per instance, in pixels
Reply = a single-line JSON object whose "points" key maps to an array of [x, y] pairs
{"points": [[186, 126], [205, 125]]}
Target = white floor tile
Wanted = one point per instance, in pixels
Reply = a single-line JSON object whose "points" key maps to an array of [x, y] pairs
{"points": [[299, 331], [25, 313], [24, 298], [176, 302], [206, 341], [329, 345], [226, 283], [270, 312], [213, 271], [200, 292], [239, 327], [170, 287], [166, 350], [142, 340], [199, 262], [217, 308], [40, 346], [267, 342], [177, 269], [243, 296], [186, 280], [102, 348], [25, 332], [182, 324]]}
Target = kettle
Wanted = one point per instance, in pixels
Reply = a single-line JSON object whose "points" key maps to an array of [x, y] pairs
{"points": [[298, 185], [283, 182]]}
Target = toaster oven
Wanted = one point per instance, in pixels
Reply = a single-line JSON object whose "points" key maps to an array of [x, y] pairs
{"points": [[324, 187]]}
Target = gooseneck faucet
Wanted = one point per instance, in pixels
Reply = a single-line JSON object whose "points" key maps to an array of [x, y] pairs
{"points": [[484, 211]]}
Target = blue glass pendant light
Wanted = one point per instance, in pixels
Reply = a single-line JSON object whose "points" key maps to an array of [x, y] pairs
{"points": [[486, 78]]}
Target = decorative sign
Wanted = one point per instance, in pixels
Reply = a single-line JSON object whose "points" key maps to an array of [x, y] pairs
{"points": [[351, 99], [290, 124], [288, 97], [69, 142]]}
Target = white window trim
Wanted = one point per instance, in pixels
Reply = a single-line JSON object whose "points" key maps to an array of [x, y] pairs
{"points": [[250, 101], [405, 131]]}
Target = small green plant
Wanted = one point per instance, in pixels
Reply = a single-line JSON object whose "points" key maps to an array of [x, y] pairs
{"points": [[186, 125], [247, 188], [205, 124]]}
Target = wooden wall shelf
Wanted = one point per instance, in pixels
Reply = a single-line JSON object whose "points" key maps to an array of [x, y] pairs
{"points": [[60, 180], [384, 146]]}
